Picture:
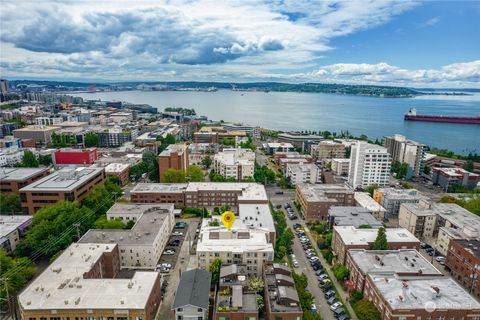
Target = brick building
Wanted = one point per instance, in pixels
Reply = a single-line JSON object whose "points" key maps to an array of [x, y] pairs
{"points": [[159, 193], [75, 156], [463, 260], [174, 157], [13, 179], [42, 135], [119, 170]]}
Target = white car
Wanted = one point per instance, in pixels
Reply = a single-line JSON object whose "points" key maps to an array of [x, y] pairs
{"points": [[295, 264], [177, 233], [314, 258], [440, 258], [164, 265], [169, 252], [336, 305], [292, 256]]}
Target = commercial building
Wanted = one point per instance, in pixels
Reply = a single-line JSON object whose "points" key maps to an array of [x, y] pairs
{"points": [[274, 147], [250, 130], [12, 229], [364, 200], [463, 261], [327, 150], [192, 296], [298, 139], [315, 200], [75, 156], [41, 135], [159, 193], [235, 163], [174, 157], [13, 179], [446, 177], [82, 283], [281, 297], [303, 173], [391, 199], [340, 166], [120, 170], [66, 184], [403, 262], [406, 151], [348, 237], [369, 164], [141, 246], [351, 216], [418, 297]]}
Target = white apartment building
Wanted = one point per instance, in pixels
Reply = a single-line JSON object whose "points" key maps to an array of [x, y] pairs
{"points": [[235, 163], [47, 121], [328, 149], [141, 246], [303, 173], [340, 166], [369, 164], [11, 229], [406, 151], [10, 156]]}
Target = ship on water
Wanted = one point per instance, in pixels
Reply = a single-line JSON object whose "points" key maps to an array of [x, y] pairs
{"points": [[412, 115]]}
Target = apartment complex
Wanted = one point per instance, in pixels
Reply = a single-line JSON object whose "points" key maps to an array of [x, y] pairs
{"points": [[340, 166], [303, 173], [463, 259], [192, 296], [174, 157], [281, 297], [446, 177], [363, 199], [119, 170], [12, 229], [298, 139], [348, 237], [41, 135], [351, 216], [141, 246], [406, 151], [315, 200], [13, 179], [75, 156], [159, 193], [198, 151], [234, 163], [391, 199], [274, 147], [82, 283], [327, 150], [66, 184], [369, 164]]}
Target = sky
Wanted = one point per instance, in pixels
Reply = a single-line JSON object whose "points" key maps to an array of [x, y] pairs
{"points": [[408, 43]]}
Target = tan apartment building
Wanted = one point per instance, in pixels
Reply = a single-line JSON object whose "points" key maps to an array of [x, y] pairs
{"points": [[13, 179], [315, 200], [327, 150], [63, 185], [41, 135], [82, 283], [174, 157]]}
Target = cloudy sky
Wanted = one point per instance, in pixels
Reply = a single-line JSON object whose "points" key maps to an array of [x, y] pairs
{"points": [[411, 43]]}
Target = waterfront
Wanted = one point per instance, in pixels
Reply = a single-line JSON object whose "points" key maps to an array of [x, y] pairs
{"points": [[374, 117]]}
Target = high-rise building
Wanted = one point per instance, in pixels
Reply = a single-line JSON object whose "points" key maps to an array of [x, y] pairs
{"points": [[174, 157], [406, 151], [369, 164]]}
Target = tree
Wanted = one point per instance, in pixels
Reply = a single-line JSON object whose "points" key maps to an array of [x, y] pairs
{"points": [[371, 188], [263, 174], [138, 170], [469, 165], [207, 162], [9, 203], [29, 160], [381, 240], [340, 271], [256, 284], [215, 270], [248, 145], [174, 176], [45, 160], [91, 140], [366, 310], [194, 174], [228, 141], [104, 223]]}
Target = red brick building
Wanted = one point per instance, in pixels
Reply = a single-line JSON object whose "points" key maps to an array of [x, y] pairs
{"points": [[174, 157], [75, 156], [463, 260]]}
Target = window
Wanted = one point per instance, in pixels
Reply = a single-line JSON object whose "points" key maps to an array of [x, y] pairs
{"points": [[179, 309], [199, 310]]}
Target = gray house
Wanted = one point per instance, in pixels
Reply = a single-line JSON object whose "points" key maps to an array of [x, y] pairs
{"points": [[192, 296]]}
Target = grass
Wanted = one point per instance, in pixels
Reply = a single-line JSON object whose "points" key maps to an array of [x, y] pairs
{"points": [[188, 215]]}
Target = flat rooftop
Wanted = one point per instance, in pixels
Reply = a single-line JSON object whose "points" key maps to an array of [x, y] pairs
{"points": [[160, 187], [418, 292], [178, 148], [67, 179], [353, 216], [19, 174], [116, 167], [365, 200], [255, 215], [36, 128], [250, 191], [62, 286], [353, 236], [403, 261], [320, 192], [455, 172], [8, 224], [279, 145], [395, 193], [472, 246]]}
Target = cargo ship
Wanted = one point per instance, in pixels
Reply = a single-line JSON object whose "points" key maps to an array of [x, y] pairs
{"points": [[412, 115]]}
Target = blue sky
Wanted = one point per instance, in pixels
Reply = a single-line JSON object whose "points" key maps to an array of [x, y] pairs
{"points": [[408, 43]]}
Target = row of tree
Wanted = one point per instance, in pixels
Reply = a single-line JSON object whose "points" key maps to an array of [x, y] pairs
{"points": [[191, 174]]}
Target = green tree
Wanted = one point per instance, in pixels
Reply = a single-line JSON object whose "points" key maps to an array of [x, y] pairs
{"points": [[29, 160], [91, 140], [263, 174], [9, 203], [249, 144], [366, 310], [194, 174], [170, 139], [104, 223], [371, 188], [340, 271], [174, 176], [380, 242], [256, 284], [138, 170], [469, 165], [215, 270], [228, 141], [45, 160], [207, 162], [129, 224]]}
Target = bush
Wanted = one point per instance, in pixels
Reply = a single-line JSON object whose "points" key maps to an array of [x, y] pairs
{"points": [[327, 254], [340, 272], [366, 310]]}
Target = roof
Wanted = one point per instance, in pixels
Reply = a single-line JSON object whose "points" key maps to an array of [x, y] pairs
{"points": [[256, 215], [235, 156], [399, 194], [193, 289], [160, 187], [67, 179], [455, 172], [37, 128], [8, 224], [19, 174], [353, 216], [320, 192], [116, 167], [472, 246], [178, 148], [365, 200], [250, 191], [62, 285], [353, 236]]}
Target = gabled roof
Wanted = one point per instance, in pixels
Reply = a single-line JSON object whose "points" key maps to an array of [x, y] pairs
{"points": [[193, 289]]}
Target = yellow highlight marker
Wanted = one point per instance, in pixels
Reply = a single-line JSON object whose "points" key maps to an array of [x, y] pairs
{"points": [[228, 218]]}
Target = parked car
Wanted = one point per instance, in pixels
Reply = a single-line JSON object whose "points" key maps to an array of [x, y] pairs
{"points": [[343, 317], [326, 287], [313, 307], [335, 306], [169, 252], [316, 267], [297, 225], [286, 205], [319, 272], [164, 265], [339, 312], [329, 294], [440, 258], [332, 300], [278, 192], [177, 233], [293, 257], [322, 276], [295, 264]]}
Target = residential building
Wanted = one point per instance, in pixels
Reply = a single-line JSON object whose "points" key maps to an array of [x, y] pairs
{"points": [[351, 216], [192, 296], [206, 137], [369, 164], [67, 156], [250, 130], [141, 246], [327, 150], [159, 193], [12, 229], [41, 135], [298, 139], [446, 177], [11, 156], [198, 151], [66, 184], [174, 157], [274, 147], [83, 282], [48, 121], [10, 142], [463, 261], [120, 170], [348, 237], [13, 179], [315, 200], [364, 200], [281, 297], [303, 173], [418, 297], [403, 262], [340, 166], [257, 216], [392, 198], [301, 159], [407, 151], [115, 137], [233, 163]]}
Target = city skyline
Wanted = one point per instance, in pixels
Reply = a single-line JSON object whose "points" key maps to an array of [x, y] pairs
{"points": [[407, 43]]}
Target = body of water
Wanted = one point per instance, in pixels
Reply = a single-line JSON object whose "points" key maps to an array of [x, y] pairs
{"points": [[375, 117]]}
